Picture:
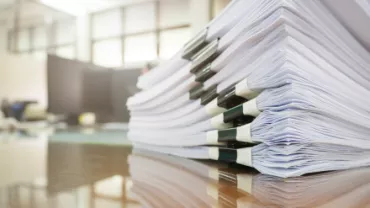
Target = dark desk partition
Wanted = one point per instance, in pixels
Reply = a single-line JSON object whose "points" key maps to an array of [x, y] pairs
{"points": [[96, 94], [123, 86], [105, 92], [64, 79], [75, 87]]}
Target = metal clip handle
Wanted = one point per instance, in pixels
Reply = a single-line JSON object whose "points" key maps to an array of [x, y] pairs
{"points": [[196, 92], [205, 73], [209, 95], [230, 99], [195, 44], [205, 56]]}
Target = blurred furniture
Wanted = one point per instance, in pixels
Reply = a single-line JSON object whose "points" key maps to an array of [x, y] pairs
{"points": [[76, 87], [16, 109], [35, 112]]}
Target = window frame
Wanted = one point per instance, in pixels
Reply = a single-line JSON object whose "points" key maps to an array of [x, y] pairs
{"points": [[123, 36], [50, 34]]}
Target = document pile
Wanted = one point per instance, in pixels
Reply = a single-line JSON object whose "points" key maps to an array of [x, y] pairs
{"points": [[279, 85]]}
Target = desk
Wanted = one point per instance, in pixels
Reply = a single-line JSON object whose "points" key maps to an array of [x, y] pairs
{"points": [[67, 171]]}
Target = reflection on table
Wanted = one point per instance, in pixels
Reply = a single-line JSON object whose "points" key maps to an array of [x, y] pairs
{"points": [[59, 174], [97, 171], [205, 184]]}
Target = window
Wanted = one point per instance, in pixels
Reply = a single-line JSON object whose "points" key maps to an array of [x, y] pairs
{"points": [[171, 41], [65, 33], [40, 40], [139, 18], [173, 13], [108, 53], [149, 31], [24, 41], [39, 55], [66, 52], [141, 48], [28, 40], [65, 39], [107, 24], [60, 38], [11, 41]]}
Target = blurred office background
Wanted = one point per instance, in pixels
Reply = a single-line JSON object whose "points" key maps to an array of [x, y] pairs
{"points": [[75, 56], [116, 35]]}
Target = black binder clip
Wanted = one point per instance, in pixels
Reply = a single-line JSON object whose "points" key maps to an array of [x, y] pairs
{"points": [[209, 95], [237, 117], [195, 44], [205, 73], [204, 57], [228, 99], [227, 154], [196, 92]]}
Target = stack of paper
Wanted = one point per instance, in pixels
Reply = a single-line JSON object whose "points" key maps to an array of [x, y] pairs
{"points": [[288, 76]]}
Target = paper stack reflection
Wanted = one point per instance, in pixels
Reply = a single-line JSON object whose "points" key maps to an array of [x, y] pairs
{"points": [[167, 181]]}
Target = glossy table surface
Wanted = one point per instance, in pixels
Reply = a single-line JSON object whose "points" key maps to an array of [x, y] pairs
{"points": [[90, 169]]}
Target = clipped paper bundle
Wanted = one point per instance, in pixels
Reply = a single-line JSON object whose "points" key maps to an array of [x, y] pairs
{"points": [[288, 76]]}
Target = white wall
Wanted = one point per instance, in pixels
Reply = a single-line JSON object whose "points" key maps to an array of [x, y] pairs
{"points": [[23, 77]]}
